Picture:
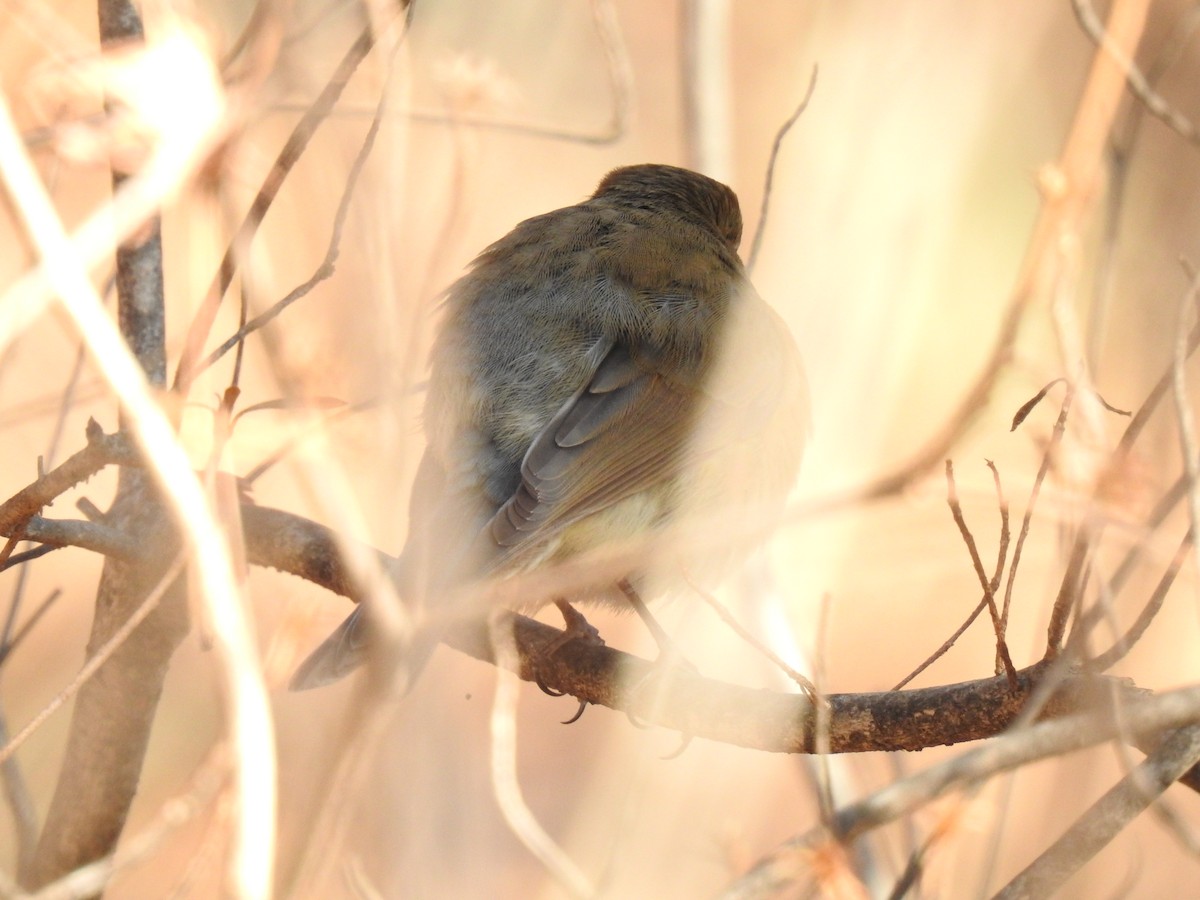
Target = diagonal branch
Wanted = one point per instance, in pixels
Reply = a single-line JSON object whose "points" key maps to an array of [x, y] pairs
{"points": [[1093, 831], [1176, 709]]}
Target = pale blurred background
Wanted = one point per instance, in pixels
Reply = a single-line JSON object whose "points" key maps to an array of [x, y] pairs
{"points": [[902, 203]]}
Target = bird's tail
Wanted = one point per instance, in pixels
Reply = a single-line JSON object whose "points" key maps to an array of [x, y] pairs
{"points": [[347, 648], [337, 656]]}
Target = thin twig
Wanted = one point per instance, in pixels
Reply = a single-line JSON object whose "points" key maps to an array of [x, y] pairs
{"points": [[20, 802], [984, 581], [1139, 85], [620, 74], [706, 78], [821, 727], [97, 659], [1183, 487], [102, 450], [292, 150], [1175, 709], [1056, 436], [11, 644], [1142, 416], [92, 879], [1126, 642], [772, 163], [618, 68], [313, 425], [945, 647], [333, 249], [1001, 623], [1121, 150], [982, 604], [737, 628], [1183, 411], [28, 556], [1071, 589]]}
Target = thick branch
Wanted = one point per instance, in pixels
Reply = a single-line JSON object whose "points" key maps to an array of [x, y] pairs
{"points": [[747, 717], [110, 726]]}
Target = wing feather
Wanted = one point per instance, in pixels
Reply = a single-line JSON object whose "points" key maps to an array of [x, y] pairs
{"points": [[622, 433]]}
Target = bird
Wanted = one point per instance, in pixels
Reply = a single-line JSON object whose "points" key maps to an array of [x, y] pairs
{"points": [[600, 373]]}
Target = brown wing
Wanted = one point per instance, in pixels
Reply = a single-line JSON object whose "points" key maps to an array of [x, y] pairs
{"points": [[622, 433]]}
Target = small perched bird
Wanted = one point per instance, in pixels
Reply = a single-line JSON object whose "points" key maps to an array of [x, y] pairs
{"points": [[601, 371]]}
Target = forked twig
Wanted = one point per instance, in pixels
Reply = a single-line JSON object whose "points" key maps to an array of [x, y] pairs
{"points": [[981, 605], [988, 585]]}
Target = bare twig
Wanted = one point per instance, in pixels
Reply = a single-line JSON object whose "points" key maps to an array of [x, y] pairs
{"points": [[1126, 642], [1183, 410], [620, 73], [823, 775], [102, 450], [982, 604], [250, 721], [785, 865], [988, 585], [1123, 145], [19, 635], [737, 628], [1056, 436], [1107, 816], [772, 163], [1139, 85], [706, 79], [1001, 623], [25, 556], [292, 150], [1182, 488], [333, 249], [618, 68], [98, 537], [753, 718], [946, 645], [1142, 416], [20, 802]]}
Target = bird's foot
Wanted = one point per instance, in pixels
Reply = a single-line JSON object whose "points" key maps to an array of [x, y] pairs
{"points": [[577, 628]]}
